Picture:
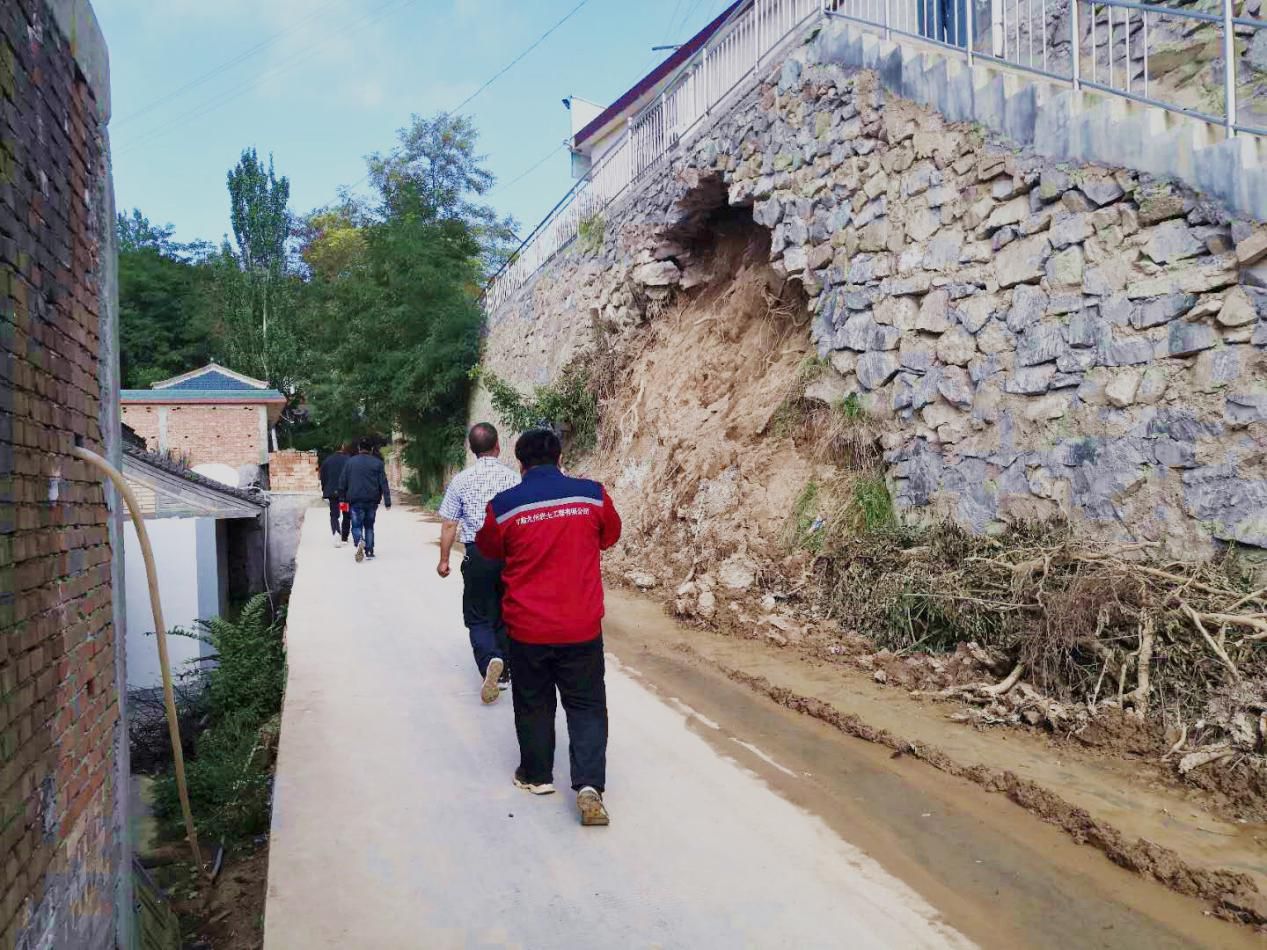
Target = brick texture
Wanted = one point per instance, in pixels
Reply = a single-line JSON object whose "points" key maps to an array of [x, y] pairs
{"points": [[229, 435], [59, 710], [295, 471]]}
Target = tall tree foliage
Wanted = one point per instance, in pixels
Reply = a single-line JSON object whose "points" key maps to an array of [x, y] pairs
{"points": [[164, 324], [395, 282], [437, 172], [256, 293]]}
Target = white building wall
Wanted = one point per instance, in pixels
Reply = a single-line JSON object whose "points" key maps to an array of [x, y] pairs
{"points": [[188, 560]]}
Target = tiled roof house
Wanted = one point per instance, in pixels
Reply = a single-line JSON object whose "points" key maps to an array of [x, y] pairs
{"points": [[211, 414]]}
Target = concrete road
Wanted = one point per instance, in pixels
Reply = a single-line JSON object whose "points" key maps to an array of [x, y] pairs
{"points": [[395, 823]]}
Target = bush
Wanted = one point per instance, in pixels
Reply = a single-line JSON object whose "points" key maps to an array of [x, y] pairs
{"points": [[568, 403], [229, 773]]}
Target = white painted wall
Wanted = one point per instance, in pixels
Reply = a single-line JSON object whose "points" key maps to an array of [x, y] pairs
{"points": [[191, 586]]}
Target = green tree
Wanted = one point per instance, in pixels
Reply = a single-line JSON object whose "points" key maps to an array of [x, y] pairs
{"points": [[164, 325], [256, 294], [436, 172], [259, 215]]}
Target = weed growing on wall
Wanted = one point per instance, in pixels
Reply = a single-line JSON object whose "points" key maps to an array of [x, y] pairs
{"points": [[568, 403], [589, 234]]}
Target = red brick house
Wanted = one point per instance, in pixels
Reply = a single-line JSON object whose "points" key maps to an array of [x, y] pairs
{"points": [[207, 415]]}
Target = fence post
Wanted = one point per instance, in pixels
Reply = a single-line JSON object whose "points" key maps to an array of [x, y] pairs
{"points": [[756, 36], [1075, 44], [972, 29], [1229, 68], [888, 19]]}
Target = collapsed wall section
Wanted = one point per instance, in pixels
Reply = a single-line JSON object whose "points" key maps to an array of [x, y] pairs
{"points": [[62, 758], [1043, 338]]}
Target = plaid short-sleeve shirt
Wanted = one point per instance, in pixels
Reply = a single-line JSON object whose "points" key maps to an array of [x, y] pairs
{"points": [[470, 492]]}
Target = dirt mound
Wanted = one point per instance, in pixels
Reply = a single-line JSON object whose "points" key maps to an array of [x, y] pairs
{"points": [[755, 503]]}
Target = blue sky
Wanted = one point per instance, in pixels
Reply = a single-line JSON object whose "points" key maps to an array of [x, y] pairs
{"points": [[322, 83]]}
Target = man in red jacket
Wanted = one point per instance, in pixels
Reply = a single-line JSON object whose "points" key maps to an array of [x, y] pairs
{"points": [[549, 530]]}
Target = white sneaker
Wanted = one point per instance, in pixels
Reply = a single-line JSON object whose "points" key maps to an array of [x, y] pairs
{"points": [[338, 541], [593, 811], [545, 788], [360, 552], [490, 691]]}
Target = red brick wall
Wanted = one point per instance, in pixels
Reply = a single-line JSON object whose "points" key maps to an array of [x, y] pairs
{"points": [[295, 471], [229, 435], [59, 709]]}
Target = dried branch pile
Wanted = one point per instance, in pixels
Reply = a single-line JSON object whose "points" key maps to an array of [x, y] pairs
{"points": [[1070, 628]]}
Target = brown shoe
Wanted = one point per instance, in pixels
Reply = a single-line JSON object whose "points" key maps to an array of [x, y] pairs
{"points": [[593, 811]]}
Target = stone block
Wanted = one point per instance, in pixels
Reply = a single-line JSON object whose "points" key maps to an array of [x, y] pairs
{"points": [[876, 368], [995, 337], [915, 353], [1083, 330], [1041, 343], [1030, 380], [1237, 310], [1101, 189], [1161, 310], [900, 312], [1217, 368], [1022, 261], [1245, 406], [1253, 248], [657, 274], [1065, 269], [1185, 339], [768, 213], [1172, 241], [1152, 386], [1068, 228], [1121, 388], [974, 312], [934, 312], [955, 386], [1029, 304], [956, 347]]}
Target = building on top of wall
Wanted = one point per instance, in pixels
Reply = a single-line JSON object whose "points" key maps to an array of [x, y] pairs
{"points": [[595, 130], [207, 416]]}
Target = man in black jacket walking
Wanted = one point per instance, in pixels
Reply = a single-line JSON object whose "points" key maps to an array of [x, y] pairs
{"points": [[331, 472], [362, 485]]}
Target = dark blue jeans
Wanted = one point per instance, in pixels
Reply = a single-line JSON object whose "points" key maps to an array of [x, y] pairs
{"points": [[482, 608], [944, 20], [576, 670], [363, 524]]}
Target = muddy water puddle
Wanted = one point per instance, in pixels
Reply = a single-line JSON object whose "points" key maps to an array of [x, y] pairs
{"points": [[997, 873]]}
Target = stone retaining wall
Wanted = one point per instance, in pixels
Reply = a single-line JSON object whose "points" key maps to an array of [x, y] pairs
{"points": [[1043, 337]]}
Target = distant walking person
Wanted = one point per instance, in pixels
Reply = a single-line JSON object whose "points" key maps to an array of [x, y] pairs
{"points": [[463, 508], [549, 530], [331, 472], [363, 485]]}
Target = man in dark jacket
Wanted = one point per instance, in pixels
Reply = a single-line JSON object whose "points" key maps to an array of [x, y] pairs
{"points": [[549, 530], [363, 485], [331, 472]]}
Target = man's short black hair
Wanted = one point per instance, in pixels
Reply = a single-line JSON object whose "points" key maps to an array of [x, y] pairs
{"points": [[538, 447], [366, 444], [483, 436]]}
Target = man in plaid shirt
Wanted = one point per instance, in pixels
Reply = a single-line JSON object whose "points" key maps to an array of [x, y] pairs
{"points": [[463, 509]]}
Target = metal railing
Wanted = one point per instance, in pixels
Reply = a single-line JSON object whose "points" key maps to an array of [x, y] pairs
{"points": [[1175, 55], [731, 55], [1180, 55]]}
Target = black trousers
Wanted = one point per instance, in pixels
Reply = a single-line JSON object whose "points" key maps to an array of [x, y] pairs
{"points": [[482, 608], [336, 516], [576, 671]]}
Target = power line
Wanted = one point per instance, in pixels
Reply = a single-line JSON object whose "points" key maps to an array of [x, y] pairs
{"points": [[215, 103], [509, 65], [227, 64], [518, 178], [505, 69]]}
